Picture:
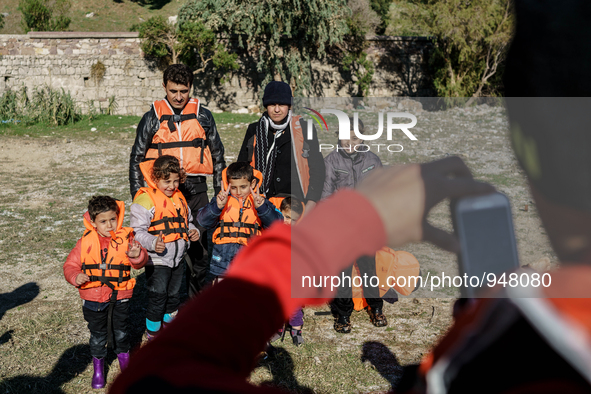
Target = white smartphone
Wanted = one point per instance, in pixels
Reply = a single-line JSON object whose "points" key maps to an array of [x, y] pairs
{"points": [[484, 227]]}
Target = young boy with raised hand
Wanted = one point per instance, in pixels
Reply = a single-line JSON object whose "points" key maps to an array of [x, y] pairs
{"points": [[99, 266], [163, 225], [237, 213]]}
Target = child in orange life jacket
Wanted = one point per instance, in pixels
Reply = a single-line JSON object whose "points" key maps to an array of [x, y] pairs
{"points": [[163, 225], [292, 209], [99, 266], [237, 213]]}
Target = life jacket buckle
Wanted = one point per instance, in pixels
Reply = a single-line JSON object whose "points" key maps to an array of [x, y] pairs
{"points": [[176, 118], [237, 224], [103, 266], [306, 153]]}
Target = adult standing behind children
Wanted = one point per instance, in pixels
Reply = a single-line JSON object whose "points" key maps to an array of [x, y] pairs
{"points": [[345, 167], [180, 126], [276, 146]]}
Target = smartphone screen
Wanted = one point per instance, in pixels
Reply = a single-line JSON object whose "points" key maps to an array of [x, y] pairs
{"points": [[485, 229]]}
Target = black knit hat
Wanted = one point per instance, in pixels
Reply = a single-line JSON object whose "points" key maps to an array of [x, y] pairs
{"points": [[277, 92]]}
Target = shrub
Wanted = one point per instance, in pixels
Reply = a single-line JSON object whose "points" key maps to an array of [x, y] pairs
{"points": [[47, 105], [45, 15]]}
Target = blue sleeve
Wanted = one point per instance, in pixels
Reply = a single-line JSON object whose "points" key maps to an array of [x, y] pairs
{"points": [[209, 216], [268, 214]]}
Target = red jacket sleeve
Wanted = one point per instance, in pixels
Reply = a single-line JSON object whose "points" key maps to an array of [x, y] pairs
{"points": [[141, 260], [214, 341], [73, 264]]}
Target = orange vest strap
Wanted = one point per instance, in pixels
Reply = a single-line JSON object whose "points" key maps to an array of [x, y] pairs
{"points": [[172, 119], [195, 143], [237, 234], [121, 267]]}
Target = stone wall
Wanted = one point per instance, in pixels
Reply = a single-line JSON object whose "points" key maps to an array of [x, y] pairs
{"points": [[65, 60]]}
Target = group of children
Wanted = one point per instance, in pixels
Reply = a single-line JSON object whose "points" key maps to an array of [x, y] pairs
{"points": [[158, 238]]}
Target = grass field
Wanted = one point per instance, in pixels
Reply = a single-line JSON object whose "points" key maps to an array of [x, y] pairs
{"points": [[109, 15], [47, 175]]}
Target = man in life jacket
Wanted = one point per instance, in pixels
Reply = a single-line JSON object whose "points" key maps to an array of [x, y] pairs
{"points": [[276, 145], [180, 126], [236, 214]]}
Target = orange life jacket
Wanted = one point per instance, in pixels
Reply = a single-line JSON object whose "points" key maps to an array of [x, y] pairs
{"points": [[183, 137], [393, 264], [278, 199], [111, 269], [239, 219], [558, 313], [301, 152], [171, 214]]}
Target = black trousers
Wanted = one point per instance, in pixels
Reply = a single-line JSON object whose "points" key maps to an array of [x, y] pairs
{"points": [[164, 286], [343, 302], [97, 324], [198, 252]]}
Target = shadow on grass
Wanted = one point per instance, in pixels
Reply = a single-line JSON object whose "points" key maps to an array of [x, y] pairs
{"points": [[19, 296], [383, 360], [71, 363], [280, 365]]}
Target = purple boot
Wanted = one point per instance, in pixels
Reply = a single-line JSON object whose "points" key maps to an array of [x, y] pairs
{"points": [[123, 360], [98, 379]]}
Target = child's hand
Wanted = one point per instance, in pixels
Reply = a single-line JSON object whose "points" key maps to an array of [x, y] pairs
{"points": [[194, 235], [134, 249], [81, 279], [257, 198], [223, 197], [159, 246]]}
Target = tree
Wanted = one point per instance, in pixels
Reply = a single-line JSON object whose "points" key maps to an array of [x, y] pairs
{"points": [[363, 21], [1, 21], [282, 35], [382, 9], [45, 15], [192, 43], [471, 40]]}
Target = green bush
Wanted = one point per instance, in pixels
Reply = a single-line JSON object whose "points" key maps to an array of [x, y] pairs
{"points": [[190, 43], [282, 36], [45, 15], [46, 105], [470, 38]]}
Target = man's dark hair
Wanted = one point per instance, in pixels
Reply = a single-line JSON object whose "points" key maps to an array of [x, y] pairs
{"points": [[240, 170], [100, 204], [292, 204], [178, 73]]}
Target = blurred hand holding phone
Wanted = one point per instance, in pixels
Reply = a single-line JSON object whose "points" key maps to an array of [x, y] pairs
{"points": [[484, 227]]}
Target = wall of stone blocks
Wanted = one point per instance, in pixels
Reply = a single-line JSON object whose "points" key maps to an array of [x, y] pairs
{"points": [[64, 60]]}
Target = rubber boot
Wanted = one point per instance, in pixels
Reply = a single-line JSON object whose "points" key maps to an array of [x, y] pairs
{"points": [[123, 360], [98, 379]]}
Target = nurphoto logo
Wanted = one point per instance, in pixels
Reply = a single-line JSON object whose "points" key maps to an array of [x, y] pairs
{"points": [[344, 132]]}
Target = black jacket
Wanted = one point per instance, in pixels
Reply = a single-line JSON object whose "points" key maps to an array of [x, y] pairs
{"points": [[345, 171], [285, 173], [146, 129]]}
